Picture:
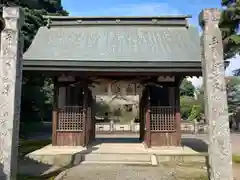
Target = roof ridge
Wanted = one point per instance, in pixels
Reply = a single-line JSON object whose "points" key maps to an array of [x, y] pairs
{"points": [[118, 17], [118, 20]]}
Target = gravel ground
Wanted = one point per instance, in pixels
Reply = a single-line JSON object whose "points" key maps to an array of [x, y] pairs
{"points": [[122, 172]]}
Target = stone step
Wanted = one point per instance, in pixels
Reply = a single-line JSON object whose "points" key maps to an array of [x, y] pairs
{"points": [[120, 157], [117, 162]]}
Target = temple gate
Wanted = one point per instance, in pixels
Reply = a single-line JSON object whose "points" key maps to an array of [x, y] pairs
{"points": [[150, 54], [220, 153]]}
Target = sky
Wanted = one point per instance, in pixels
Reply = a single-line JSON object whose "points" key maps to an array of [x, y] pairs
{"points": [[147, 8]]}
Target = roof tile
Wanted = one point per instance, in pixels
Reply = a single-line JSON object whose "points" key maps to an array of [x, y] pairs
{"points": [[115, 43]]}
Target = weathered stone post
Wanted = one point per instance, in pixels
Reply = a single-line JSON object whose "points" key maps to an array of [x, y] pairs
{"points": [[10, 91], [216, 111]]}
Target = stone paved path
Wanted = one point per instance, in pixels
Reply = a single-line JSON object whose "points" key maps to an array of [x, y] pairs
{"points": [[121, 172]]}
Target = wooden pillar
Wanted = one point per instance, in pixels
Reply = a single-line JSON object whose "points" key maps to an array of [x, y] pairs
{"points": [[85, 106], [140, 119], [141, 123], [55, 112], [178, 116], [62, 97], [178, 81], [142, 114], [148, 119], [93, 118], [171, 96]]}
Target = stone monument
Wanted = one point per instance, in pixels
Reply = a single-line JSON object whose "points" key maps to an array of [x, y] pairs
{"points": [[216, 109], [10, 91]]}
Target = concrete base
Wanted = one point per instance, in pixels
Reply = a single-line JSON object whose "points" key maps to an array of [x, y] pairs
{"points": [[56, 155], [51, 150], [121, 153], [168, 150]]}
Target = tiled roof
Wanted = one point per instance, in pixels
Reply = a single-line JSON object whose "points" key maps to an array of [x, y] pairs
{"points": [[128, 39]]}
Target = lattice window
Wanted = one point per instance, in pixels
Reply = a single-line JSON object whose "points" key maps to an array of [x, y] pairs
{"points": [[162, 118], [70, 118]]}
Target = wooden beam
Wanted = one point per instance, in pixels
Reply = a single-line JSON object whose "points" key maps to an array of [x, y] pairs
{"points": [[88, 74]]}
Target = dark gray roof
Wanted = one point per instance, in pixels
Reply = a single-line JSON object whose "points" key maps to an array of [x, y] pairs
{"points": [[115, 39]]}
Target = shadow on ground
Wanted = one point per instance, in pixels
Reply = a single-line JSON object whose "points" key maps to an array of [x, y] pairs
{"points": [[31, 168], [196, 144], [117, 140]]}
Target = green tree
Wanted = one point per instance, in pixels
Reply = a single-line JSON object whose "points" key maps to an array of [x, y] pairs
{"points": [[36, 88], [187, 88], [229, 25], [196, 112], [186, 104], [101, 108], [233, 93]]}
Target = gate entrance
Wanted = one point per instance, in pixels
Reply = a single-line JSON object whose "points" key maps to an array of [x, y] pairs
{"points": [[147, 106], [117, 110], [147, 56]]}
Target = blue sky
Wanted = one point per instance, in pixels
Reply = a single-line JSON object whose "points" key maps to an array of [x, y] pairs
{"points": [[145, 8], [138, 7]]}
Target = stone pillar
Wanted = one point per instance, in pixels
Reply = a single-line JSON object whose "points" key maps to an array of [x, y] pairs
{"points": [[10, 91], [220, 152]]}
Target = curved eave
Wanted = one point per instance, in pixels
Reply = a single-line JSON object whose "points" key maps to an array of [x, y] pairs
{"points": [[87, 66], [130, 67]]}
